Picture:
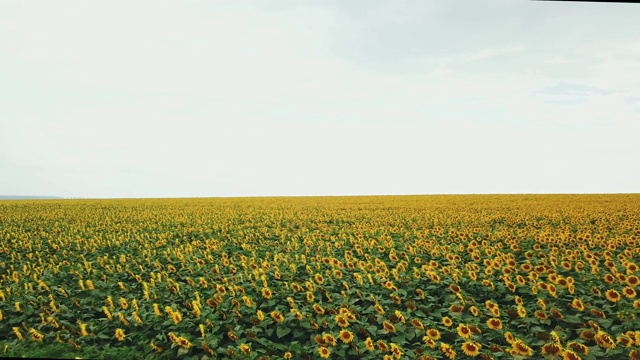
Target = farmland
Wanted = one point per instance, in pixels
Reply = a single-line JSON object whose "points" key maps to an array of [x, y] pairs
{"points": [[395, 277]]}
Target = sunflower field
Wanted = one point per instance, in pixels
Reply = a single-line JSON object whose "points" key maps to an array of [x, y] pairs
{"points": [[372, 277]]}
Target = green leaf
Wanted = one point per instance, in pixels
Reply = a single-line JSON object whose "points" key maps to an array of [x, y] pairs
{"points": [[282, 331]]}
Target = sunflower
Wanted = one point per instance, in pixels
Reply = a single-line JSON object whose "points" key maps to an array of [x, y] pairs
{"points": [[389, 327], [417, 324], [319, 279], [446, 321], [629, 292], [612, 295], [604, 340], [277, 316], [433, 334], [342, 321], [267, 293], [578, 347], [463, 331], [120, 334], [570, 355], [287, 355], [324, 352], [382, 346], [597, 313], [577, 304], [521, 348], [396, 351], [310, 296], [587, 334], [556, 313], [634, 355], [633, 280], [508, 336], [447, 350], [35, 335], [245, 349], [624, 340], [318, 309], [292, 303], [551, 349], [378, 309], [494, 324], [471, 348], [368, 343], [522, 312], [540, 315], [609, 279], [260, 315], [456, 309], [346, 336]]}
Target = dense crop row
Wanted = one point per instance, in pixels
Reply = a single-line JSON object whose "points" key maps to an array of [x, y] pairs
{"points": [[345, 277]]}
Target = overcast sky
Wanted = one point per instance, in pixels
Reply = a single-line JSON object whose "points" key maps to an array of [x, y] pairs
{"points": [[235, 98]]}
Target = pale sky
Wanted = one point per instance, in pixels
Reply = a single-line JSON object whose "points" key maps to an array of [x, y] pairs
{"points": [[237, 98]]}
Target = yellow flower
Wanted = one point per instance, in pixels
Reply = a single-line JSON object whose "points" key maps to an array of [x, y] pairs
{"points": [[604, 340], [346, 336], [342, 321], [463, 331], [446, 321], [396, 351], [184, 343], [382, 346], [136, 317], [83, 329], [447, 350], [433, 334], [471, 348], [176, 317], [35, 335], [324, 352], [246, 349], [520, 348], [156, 309], [16, 331], [260, 315], [368, 343], [612, 295], [551, 349], [318, 309], [120, 334], [267, 293], [329, 339], [577, 304], [155, 347], [389, 327], [494, 324], [277, 316], [107, 313]]}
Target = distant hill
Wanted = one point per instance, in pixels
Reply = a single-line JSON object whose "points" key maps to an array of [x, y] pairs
{"points": [[27, 197]]}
